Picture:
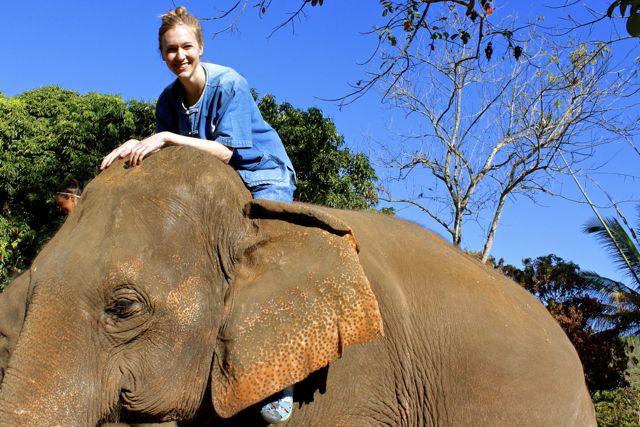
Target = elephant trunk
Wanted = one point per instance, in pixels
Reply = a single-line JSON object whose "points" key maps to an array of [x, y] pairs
{"points": [[24, 403], [51, 379]]}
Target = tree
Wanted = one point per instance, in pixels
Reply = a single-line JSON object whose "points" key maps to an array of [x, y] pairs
{"points": [[623, 299], [628, 10], [328, 173], [618, 407], [632, 18], [403, 23], [488, 130], [564, 291], [50, 134]]}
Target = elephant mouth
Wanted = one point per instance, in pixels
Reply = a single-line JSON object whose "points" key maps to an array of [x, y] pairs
{"points": [[122, 415]]}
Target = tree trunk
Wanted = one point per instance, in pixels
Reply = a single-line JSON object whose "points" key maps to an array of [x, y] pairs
{"points": [[488, 244]]}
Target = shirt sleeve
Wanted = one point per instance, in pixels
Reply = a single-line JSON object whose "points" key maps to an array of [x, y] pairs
{"points": [[233, 127], [166, 119]]}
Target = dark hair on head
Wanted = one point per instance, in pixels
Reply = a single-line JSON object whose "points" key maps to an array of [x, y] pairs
{"points": [[71, 187], [176, 17]]}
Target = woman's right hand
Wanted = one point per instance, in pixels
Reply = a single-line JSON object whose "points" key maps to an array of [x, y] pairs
{"points": [[122, 151]]}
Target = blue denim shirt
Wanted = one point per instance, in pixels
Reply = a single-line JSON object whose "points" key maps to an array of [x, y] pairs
{"points": [[227, 113]]}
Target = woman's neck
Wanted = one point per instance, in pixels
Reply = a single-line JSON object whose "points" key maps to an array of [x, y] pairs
{"points": [[192, 86]]}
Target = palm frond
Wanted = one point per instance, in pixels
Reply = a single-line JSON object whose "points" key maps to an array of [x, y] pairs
{"points": [[635, 233], [621, 303], [613, 288], [628, 322], [621, 247]]}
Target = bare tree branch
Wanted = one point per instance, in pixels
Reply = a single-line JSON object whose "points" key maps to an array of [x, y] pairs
{"points": [[497, 131]]}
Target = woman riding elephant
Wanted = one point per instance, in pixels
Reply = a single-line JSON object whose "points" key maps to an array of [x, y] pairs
{"points": [[210, 107], [170, 294]]}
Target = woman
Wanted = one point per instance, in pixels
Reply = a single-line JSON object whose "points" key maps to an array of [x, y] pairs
{"points": [[210, 107]]}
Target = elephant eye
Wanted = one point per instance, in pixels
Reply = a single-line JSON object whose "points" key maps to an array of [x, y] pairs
{"points": [[122, 307], [125, 306], [125, 314]]}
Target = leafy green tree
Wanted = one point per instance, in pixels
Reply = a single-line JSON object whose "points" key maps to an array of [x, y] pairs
{"points": [[633, 344], [565, 292], [618, 408], [623, 299], [328, 173], [48, 135]]}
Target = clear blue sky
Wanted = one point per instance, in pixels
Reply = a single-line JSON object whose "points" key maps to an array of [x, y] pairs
{"points": [[111, 47]]}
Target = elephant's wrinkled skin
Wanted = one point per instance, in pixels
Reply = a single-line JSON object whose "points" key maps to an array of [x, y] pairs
{"points": [[161, 298], [12, 310]]}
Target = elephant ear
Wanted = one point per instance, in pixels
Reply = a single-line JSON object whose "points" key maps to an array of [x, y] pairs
{"points": [[298, 298], [13, 306]]}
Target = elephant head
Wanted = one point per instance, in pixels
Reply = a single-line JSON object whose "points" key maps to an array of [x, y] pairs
{"points": [[168, 286]]}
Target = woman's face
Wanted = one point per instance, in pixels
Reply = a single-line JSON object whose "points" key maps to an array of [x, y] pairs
{"points": [[65, 203], [181, 51]]}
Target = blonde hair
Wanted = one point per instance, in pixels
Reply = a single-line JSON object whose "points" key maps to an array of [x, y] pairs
{"points": [[176, 17]]}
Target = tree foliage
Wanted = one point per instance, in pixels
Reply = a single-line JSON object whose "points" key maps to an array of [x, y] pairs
{"points": [[630, 10], [621, 407], [403, 23], [50, 134], [565, 292], [328, 173], [623, 298], [618, 408], [485, 131]]}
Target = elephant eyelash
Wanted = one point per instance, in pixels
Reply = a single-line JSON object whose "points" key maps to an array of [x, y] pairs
{"points": [[120, 308], [124, 308]]}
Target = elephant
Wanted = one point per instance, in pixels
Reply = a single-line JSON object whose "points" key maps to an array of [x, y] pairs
{"points": [[13, 303], [170, 295]]}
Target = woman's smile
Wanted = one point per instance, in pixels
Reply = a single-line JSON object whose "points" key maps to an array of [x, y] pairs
{"points": [[181, 50]]}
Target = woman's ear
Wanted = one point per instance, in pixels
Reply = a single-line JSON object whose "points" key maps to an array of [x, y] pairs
{"points": [[299, 297]]}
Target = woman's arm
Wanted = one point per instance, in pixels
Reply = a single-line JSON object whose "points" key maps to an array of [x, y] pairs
{"points": [[138, 150]]}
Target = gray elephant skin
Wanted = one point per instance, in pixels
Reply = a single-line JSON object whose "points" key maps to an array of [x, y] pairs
{"points": [[170, 295]]}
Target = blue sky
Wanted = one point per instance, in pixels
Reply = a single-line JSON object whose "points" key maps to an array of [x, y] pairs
{"points": [[111, 47]]}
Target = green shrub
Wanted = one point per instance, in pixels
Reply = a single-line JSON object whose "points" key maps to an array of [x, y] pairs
{"points": [[618, 408]]}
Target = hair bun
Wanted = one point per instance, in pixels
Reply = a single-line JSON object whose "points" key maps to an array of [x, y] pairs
{"points": [[179, 16]]}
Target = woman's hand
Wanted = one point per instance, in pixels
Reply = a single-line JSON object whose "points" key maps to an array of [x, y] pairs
{"points": [[136, 150], [118, 153], [145, 147]]}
